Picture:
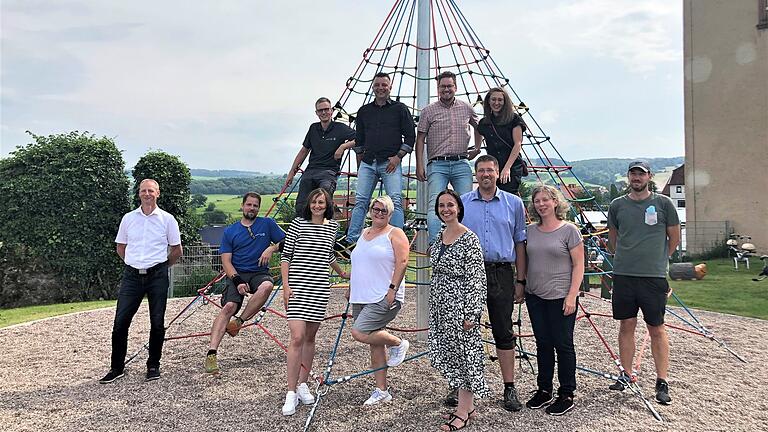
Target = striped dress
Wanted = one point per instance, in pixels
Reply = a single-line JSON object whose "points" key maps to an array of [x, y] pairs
{"points": [[308, 249]]}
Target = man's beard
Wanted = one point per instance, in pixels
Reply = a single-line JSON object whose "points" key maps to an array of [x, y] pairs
{"points": [[640, 188], [249, 215]]}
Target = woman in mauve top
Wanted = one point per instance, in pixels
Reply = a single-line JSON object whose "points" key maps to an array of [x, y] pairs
{"points": [[555, 271]]}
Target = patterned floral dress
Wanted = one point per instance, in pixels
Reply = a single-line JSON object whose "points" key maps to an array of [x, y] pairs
{"points": [[458, 293]]}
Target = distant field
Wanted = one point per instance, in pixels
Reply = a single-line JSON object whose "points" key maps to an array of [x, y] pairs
{"points": [[231, 203], [660, 178], [531, 180]]}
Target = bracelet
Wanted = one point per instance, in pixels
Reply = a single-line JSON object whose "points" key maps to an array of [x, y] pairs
{"points": [[521, 282], [237, 280]]}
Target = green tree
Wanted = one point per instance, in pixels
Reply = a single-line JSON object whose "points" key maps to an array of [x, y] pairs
{"points": [[173, 176], [61, 201], [215, 217], [197, 201], [614, 192], [524, 191]]}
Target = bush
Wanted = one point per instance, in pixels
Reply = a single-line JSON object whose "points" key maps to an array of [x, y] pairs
{"points": [[187, 285], [61, 201], [174, 178], [718, 250]]}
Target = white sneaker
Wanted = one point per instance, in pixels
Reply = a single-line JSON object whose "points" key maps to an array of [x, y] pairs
{"points": [[305, 396], [378, 396], [291, 402], [397, 353]]}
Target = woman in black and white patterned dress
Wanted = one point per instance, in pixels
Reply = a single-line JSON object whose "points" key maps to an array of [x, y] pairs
{"points": [[307, 253], [456, 303]]}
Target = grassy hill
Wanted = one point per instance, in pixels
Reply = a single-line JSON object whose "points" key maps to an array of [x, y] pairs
{"points": [[591, 172]]}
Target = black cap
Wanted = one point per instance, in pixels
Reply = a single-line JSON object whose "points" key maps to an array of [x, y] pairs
{"points": [[641, 165]]}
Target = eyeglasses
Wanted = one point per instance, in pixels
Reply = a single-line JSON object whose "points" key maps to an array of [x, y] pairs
{"points": [[378, 210], [250, 233], [323, 110]]}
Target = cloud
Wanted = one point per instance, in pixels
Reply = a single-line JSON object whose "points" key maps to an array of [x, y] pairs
{"points": [[640, 34], [227, 83]]}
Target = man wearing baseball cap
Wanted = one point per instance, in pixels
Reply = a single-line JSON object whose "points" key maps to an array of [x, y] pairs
{"points": [[643, 230]]}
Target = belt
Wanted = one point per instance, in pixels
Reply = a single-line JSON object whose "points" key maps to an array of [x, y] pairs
{"points": [[146, 271], [498, 264], [449, 158]]}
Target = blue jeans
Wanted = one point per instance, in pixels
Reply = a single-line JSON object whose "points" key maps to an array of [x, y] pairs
{"points": [[439, 174], [367, 178], [132, 290]]}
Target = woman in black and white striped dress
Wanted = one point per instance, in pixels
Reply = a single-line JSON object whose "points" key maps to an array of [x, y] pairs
{"points": [[307, 253]]}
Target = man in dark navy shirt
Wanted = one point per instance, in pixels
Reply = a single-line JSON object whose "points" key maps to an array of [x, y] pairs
{"points": [[385, 134], [325, 143]]}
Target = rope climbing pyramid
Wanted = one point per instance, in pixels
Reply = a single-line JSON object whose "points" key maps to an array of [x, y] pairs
{"points": [[453, 46]]}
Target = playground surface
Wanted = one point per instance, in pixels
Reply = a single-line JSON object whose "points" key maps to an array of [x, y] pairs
{"points": [[49, 371]]}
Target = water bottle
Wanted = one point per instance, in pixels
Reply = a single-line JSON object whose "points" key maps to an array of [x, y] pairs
{"points": [[650, 215]]}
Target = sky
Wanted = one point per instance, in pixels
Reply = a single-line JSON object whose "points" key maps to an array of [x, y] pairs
{"points": [[232, 84]]}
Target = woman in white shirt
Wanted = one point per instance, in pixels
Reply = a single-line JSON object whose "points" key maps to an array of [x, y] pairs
{"points": [[377, 290]]}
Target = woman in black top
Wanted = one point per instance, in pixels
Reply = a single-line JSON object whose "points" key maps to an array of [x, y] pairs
{"points": [[503, 130]]}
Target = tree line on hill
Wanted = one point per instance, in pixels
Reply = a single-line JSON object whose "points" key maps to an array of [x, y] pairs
{"points": [[593, 171]]}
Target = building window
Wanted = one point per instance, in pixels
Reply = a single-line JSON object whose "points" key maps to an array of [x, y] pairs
{"points": [[762, 22], [679, 189], [681, 203]]}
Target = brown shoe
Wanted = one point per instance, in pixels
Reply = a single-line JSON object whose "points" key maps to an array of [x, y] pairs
{"points": [[234, 325]]}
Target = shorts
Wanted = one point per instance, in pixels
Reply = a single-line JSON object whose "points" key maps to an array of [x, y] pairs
{"points": [[370, 317], [648, 294], [501, 303], [231, 295]]}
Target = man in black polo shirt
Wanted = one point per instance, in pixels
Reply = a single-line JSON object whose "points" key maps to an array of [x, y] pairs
{"points": [[326, 142], [385, 134]]}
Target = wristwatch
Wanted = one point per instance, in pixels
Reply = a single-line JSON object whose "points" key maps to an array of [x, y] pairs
{"points": [[521, 282], [392, 287]]}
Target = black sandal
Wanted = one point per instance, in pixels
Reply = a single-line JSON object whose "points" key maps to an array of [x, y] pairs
{"points": [[470, 415], [451, 426]]}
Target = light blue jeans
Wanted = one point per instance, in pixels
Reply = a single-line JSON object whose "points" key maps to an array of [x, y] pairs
{"points": [[368, 177], [439, 174]]}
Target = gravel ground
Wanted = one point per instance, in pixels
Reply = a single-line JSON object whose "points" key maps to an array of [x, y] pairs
{"points": [[49, 371]]}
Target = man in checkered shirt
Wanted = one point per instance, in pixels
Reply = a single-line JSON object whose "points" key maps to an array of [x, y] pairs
{"points": [[444, 126]]}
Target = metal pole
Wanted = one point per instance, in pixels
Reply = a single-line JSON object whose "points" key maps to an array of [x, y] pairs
{"points": [[422, 193]]}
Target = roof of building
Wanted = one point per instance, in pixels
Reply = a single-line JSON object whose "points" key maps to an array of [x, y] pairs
{"points": [[677, 178]]}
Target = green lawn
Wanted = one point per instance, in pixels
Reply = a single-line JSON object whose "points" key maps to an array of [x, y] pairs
{"points": [[726, 290], [30, 313]]}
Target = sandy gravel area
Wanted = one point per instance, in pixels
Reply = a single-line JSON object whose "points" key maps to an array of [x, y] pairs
{"points": [[49, 372]]}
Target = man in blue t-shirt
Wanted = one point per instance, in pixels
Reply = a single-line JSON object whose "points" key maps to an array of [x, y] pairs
{"points": [[246, 248]]}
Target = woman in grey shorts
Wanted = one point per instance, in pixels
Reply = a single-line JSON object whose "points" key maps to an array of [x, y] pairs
{"points": [[555, 271], [377, 291]]}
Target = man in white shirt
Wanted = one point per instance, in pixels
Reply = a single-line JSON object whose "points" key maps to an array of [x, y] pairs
{"points": [[148, 241]]}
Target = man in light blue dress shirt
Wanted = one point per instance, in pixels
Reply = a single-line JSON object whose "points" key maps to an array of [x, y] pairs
{"points": [[498, 219]]}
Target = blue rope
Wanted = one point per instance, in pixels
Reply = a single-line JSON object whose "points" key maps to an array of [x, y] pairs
{"points": [[370, 371]]}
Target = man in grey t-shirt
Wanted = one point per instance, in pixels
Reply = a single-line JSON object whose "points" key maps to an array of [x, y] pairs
{"points": [[643, 230]]}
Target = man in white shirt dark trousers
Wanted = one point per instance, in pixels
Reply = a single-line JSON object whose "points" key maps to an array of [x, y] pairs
{"points": [[148, 241]]}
